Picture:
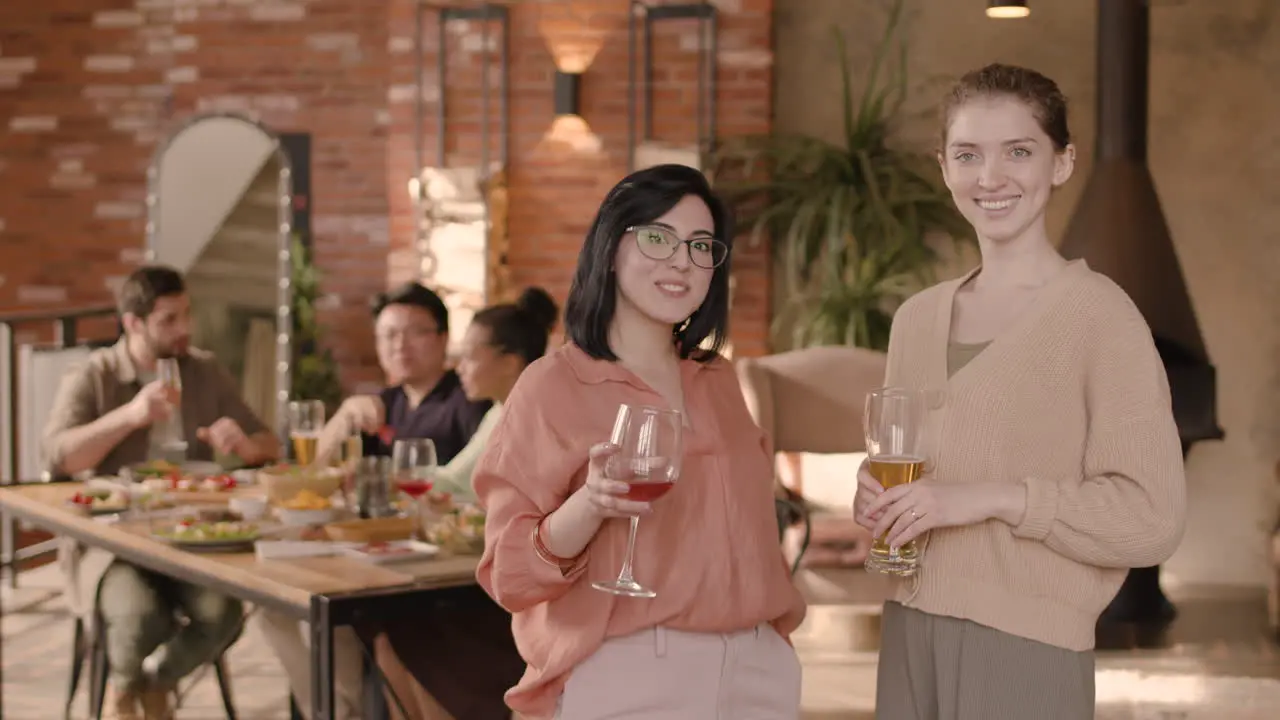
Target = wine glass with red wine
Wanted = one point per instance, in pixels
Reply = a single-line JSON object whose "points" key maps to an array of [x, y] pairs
{"points": [[649, 453], [412, 462]]}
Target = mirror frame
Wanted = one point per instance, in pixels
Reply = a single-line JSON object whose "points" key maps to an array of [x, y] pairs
{"points": [[284, 266]]}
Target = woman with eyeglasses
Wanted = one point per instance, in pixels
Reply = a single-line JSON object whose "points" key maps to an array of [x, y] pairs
{"points": [[646, 316]]}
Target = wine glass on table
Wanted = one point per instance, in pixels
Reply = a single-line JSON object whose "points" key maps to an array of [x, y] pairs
{"points": [[650, 451], [306, 420], [173, 443], [413, 460], [894, 425]]}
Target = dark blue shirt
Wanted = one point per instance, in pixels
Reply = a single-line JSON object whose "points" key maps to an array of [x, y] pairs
{"points": [[445, 416]]}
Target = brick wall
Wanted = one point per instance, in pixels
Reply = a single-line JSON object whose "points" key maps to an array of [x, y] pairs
{"points": [[87, 88]]}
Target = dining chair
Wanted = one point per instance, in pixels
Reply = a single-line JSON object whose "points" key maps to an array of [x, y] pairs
{"points": [[809, 401], [93, 645]]}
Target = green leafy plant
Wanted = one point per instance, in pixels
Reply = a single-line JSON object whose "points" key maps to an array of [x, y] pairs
{"points": [[315, 372], [852, 224]]}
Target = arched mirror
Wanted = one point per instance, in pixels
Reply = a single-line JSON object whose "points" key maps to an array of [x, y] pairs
{"points": [[219, 207]]}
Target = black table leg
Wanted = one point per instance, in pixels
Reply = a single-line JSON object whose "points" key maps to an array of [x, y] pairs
{"points": [[321, 659]]}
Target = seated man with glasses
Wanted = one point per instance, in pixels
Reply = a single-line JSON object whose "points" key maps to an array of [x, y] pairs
{"points": [[423, 399], [112, 411]]}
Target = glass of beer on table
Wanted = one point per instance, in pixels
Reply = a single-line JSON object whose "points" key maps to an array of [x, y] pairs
{"points": [[306, 420], [346, 458], [894, 421]]}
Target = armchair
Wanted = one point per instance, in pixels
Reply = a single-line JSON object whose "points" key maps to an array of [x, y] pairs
{"points": [[811, 401]]}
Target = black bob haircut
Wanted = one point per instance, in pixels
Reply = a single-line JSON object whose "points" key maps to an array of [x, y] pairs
{"points": [[640, 198]]}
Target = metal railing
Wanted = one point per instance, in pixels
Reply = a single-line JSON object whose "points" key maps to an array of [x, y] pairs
{"points": [[66, 326]]}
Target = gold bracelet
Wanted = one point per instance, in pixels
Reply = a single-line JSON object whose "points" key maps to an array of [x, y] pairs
{"points": [[544, 553]]}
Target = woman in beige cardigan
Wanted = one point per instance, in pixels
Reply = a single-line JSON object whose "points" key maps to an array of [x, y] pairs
{"points": [[1056, 464]]}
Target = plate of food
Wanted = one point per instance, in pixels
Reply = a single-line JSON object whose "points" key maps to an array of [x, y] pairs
{"points": [[154, 469], [381, 553], [100, 500], [190, 488], [211, 532], [457, 527], [192, 476]]}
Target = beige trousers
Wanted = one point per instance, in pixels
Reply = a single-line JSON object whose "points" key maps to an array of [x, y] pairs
{"points": [[661, 674], [290, 640]]}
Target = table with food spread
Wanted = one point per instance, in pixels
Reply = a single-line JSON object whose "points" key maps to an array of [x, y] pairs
{"points": [[278, 538]]}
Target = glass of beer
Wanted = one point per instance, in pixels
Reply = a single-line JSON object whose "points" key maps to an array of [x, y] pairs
{"points": [[306, 420], [346, 458], [894, 424]]}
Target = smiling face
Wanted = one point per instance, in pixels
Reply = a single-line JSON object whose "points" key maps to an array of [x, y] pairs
{"points": [[1001, 166], [666, 291]]}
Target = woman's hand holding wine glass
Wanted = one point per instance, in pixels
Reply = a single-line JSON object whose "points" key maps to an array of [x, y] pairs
{"points": [[607, 496]]}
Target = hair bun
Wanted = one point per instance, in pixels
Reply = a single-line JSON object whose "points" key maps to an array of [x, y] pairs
{"points": [[538, 305]]}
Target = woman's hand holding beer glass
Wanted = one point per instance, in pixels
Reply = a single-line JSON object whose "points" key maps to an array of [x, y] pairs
{"points": [[906, 512]]}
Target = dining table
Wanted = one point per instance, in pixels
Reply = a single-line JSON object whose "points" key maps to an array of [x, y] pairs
{"points": [[328, 592]]}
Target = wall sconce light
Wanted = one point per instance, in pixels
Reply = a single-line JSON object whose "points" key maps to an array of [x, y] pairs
{"points": [[566, 92], [1007, 9]]}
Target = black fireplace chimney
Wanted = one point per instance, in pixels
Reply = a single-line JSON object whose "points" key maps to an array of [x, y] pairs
{"points": [[1119, 228]]}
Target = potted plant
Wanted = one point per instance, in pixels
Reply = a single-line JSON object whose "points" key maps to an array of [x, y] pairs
{"points": [[315, 373], [854, 225]]}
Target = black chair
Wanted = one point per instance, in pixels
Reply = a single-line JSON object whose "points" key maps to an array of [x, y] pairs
{"points": [[792, 511], [95, 648]]}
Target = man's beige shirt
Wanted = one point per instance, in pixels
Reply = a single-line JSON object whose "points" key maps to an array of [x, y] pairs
{"points": [[108, 380]]}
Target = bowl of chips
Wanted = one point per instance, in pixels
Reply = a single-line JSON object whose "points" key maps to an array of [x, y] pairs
{"points": [[305, 508], [284, 482]]}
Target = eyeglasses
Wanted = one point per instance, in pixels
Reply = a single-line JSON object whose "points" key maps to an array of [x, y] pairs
{"points": [[410, 334], [659, 243]]}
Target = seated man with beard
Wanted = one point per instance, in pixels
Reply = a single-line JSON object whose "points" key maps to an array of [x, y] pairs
{"points": [[111, 412]]}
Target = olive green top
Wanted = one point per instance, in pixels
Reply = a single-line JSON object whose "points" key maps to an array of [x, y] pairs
{"points": [[959, 354]]}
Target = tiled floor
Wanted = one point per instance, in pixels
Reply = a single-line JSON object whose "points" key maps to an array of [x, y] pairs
{"points": [[1216, 663]]}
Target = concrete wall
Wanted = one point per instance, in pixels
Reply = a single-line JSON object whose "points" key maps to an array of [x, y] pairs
{"points": [[1215, 155]]}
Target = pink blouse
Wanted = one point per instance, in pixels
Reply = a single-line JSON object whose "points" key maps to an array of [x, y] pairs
{"points": [[709, 548]]}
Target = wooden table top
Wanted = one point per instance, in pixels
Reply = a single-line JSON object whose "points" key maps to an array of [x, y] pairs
{"points": [[285, 583]]}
